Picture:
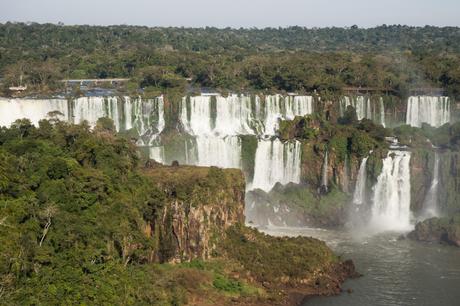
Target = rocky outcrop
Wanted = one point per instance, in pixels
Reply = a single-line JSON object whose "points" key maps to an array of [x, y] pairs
{"points": [[421, 168], [292, 268], [201, 204], [202, 218], [445, 230], [448, 188], [296, 206]]}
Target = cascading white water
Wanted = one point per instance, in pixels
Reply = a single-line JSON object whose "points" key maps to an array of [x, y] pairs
{"points": [[197, 120], [324, 178], [217, 142], [358, 103], [32, 109], [434, 111], [224, 152], [364, 108], [157, 154], [278, 107], [382, 112], [215, 127], [391, 199], [359, 194], [276, 162], [92, 108], [146, 117], [430, 208], [234, 115]]}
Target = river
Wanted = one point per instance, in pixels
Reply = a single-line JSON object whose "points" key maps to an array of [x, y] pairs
{"points": [[395, 272]]}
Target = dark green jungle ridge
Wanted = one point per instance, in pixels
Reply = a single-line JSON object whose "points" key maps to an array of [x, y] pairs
{"points": [[391, 59]]}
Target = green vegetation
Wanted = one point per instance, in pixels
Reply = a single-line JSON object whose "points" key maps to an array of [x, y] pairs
{"points": [[248, 155], [83, 220], [345, 138], [388, 58], [446, 136], [305, 205], [445, 230], [293, 258]]}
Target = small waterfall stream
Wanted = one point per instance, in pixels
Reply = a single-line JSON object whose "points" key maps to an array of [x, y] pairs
{"points": [[324, 177], [430, 207], [359, 194], [364, 107]]}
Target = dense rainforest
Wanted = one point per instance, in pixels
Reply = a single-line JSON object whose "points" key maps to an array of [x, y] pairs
{"points": [[390, 59], [84, 220]]}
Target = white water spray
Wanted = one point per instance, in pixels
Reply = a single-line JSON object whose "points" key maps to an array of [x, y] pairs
{"points": [[365, 108], [276, 162], [391, 200], [32, 109], [434, 111]]}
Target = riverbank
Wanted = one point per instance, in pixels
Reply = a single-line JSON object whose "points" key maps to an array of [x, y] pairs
{"points": [[394, 271]]}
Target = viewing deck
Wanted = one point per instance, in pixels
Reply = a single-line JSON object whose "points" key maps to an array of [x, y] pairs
{"points": [[94, 81]]}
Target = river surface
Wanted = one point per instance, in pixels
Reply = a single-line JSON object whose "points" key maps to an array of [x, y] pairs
{"points": [[395, 272]]}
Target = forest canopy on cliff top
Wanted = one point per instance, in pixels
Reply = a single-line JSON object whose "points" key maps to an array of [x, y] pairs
{"points": [[390, 58]]}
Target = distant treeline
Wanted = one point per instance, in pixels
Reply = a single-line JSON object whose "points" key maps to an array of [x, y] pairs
{"points": [[390, 58]]}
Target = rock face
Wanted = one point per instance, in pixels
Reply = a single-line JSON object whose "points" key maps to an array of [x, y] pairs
{"points": [[446, 230], [202, 204], [296, 206], [448, 188]]}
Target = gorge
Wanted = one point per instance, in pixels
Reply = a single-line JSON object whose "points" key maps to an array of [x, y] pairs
{"points": [[303, 165]]}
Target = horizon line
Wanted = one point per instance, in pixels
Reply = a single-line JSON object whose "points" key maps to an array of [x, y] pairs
{"points": [[354, 26]]}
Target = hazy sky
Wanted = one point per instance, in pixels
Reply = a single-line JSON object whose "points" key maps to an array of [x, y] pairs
{"points": [[235, 13]]}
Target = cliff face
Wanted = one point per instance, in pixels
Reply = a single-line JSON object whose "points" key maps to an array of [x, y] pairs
{"points": [[422, 173], [445, 230], [421, 166], [202, 218], [201, 204], [449, 193]]}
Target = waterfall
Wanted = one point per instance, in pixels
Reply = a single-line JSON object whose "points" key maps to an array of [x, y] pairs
{"points": [[216, 125], [278, 107], [324, 178], [92, 108], [32, 109], [431, 201], [239, 115], [224, 152], [196, 115], [391, 200], [358, 103], [434, 111], [146, 117], [382, 112], [359, 195], [233, 115], [214, 122], [364, 107], [276, 162], [157, 154]]}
